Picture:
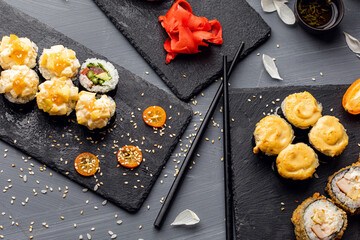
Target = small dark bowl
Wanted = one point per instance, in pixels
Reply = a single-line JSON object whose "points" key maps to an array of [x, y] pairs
{"points": [[333, 23]]}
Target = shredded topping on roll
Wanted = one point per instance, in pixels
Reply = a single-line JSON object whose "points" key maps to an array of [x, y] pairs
{"points": [[19, 81], [17, 51], [92, 112], [57, 96]]}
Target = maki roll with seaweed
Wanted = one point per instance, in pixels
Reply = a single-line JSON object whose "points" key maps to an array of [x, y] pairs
{"points": [[57, 96], [301, 109], [98, 76], [58, 61], [20, 84], [17, 51], [344, 188], [297, 162], [93, 111], [272, 135], [317, 218], [329, 136]]}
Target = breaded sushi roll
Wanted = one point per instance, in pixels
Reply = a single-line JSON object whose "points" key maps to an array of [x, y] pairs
{"points": [[301, 109], [58, 61], [20, 84], [94, 112], [17, 51], [98, 76], [57, 96], [329, 136], [344, 188], [272, 134], [317, 218], [297, 162]]}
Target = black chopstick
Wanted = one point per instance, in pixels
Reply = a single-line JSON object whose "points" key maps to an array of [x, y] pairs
{"points": [[229, 224], [184, 166]]}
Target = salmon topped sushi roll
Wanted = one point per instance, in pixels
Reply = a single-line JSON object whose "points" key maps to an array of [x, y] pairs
{"points": [[94, 112], [20, 84], [317, 218], [344, 188], [17, 51], [57, 96], [58, 61]]}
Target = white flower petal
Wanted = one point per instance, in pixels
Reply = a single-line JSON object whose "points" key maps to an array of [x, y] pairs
{"points": [[284, 12], [268, 6], [270, 67], [352, 43], [186, 217]]}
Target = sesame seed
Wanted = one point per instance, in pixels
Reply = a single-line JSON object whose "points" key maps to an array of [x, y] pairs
{"points": [[119, 222]]}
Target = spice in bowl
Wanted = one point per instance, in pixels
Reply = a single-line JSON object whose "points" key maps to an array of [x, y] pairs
{"points": [[319, 14]]}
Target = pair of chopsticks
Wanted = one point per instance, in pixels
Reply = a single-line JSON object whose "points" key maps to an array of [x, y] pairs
{"points": [[184, 166]]}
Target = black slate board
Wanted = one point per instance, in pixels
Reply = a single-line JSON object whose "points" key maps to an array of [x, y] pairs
{"points": [[35, 132], [138, 21], [258, 190]]}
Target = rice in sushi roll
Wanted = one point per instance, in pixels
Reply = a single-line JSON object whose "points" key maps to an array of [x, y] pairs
{"points": [[317, 218], [272, 135], [58, 61], [17, 51], [57, 96], [301, 109], [98, 76], [344, 188], [94, 112], [20, 84], [329, 136], [297, 162]]}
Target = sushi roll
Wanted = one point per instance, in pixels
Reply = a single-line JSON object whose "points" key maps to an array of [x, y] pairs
{"points": [[98, 76], [19, 84], [272, 134], [329, 136], [301, 109], [58, 61], [344, 188], [297, 162], [317, 218], [94, 112], [17, 51], [57, 96]]}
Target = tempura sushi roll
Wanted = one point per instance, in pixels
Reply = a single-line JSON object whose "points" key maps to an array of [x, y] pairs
{"points": [[98, 76], [297, 162], [17, 51], [58, 61], [329, 136], [272, 134], [57, 96], [344, 188], [20, 84], [301, 109], [317, 218], [94, 112]]}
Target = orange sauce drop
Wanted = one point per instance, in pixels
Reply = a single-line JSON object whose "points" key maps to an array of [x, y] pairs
{"points": [[19, 50]]}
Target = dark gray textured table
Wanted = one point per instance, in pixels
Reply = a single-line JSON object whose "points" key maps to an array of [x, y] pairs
{"points": [[300, 57]]}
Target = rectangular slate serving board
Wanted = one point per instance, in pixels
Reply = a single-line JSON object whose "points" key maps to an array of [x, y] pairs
{"points": [[56, 141], [138, 21], [258, 188]]}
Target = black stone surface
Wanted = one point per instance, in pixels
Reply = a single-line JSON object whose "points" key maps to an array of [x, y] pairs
{"points": [[258, 188], [56, 141], [138, 21]]}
